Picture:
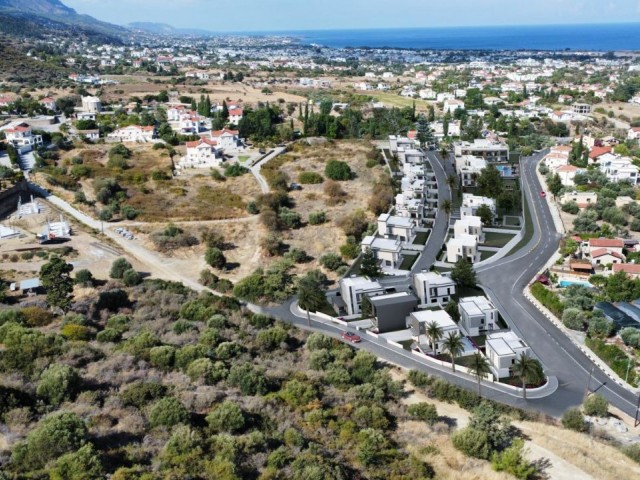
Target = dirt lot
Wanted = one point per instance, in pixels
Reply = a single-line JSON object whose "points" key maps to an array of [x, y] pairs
{"points": [[192, 196], [568, 455]]}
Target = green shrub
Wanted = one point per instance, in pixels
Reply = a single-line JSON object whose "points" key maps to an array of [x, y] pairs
{"points": [[227, 417], [215, 258], [168, 412], [337, 170], [119, 267], [350, 250], [109, 335], [310, 178], [331, 261], [235, 170], [633, 452], [596, 405], [58, 383], [317, 218], [271, 338], [473, 443], [548, 298], [182, 326], [36, 316], [82, 464], [131, 278], [574, 420], [142, 393], [84, 277], [76, 332], [249, 379], [423, 411], [512, 461]]}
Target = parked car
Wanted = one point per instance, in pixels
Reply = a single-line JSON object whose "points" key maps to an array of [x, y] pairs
{"points": [[295, 186], [351, 337], [543, 194]]}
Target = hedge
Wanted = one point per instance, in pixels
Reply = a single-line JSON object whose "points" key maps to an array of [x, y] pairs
{"points": [[548, 298]]}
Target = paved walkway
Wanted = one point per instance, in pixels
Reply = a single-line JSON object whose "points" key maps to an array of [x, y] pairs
{"points": [[255, 169]]}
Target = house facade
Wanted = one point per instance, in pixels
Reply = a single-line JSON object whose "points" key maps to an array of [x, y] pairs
{"points": [[386, 250], [503, 350], [390, 311], [433, 288], [21, 136], [353, 289], [469, 225], [401, 228], [471, 203], [463, 247], [133, 133], [477, 315], [418, 322], [203, 153]]}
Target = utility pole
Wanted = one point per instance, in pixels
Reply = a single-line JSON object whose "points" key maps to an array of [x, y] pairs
{"points": [[589, 382]]}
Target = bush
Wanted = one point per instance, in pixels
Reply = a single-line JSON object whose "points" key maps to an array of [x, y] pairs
{"points": [[58, 383], [289, 218], [424, 411], [297, 255], [334, 191], [630, 336], [596, 406], [36, 316], [271, 338], [317, 218], [250, 380], [131, 278], [574, 319], [331, 261], [217, 176], [512, 461], [227, 417], [473, 443], [84, 277], [79, 465], [633, 452], [235, 170], [548, 298], [337, 170], [350, 250], [215, 258], [310, 178], [168, 412], [118, 268], [571, 207], [109, 335], [319, 341], [76, 332], [54, 436], [419, 379], [574, 420], [142, 393]]}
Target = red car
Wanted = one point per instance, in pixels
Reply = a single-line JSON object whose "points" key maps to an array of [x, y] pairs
{"points": [[543, 194], [351, 337]]}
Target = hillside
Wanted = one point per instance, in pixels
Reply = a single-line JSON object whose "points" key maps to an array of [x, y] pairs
{"points": [[38, 18], [15, 66]]}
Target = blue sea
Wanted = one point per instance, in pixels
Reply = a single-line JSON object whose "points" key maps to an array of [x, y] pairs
{"points": [[599, 37]]}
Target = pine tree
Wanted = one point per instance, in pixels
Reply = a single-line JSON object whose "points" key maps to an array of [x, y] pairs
{"points": [[369, 265], [424, 131]]}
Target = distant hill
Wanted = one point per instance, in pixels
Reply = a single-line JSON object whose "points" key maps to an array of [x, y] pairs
{"points": [[165, 29], [37, 17]]}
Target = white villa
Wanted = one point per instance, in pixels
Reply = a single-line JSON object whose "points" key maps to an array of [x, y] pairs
{"points": [[471, 203], [618, 169], [91, 104], [227, 139], [402, 228], [203, 153], [433, 288], [463, 247], [418, 322], [21, 136], [352, 289], [469, 167], [386, 250], [469, 225], [133, 133], [503, 350], [477, 315]]}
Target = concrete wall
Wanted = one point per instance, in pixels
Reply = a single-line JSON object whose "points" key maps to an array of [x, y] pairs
{"points": [[9, 198]]}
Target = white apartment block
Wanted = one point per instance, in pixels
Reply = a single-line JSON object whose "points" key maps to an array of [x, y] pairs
{"points": [[133, 133], [477, 315], [493, 152], [503, 350], [469, 168], [463, 247], [433, 288], [619, 169], [352, 289]]}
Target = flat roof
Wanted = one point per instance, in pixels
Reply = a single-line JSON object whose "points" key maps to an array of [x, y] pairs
{"points": [[360, 282], [442, 318], [499, 346], [30, 283], [433, 278], [393, 299], [504, 343]]}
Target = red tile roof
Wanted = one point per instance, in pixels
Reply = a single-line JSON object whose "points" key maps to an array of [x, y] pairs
{"points": [[630, 268], [603, 251], [567, 168], [605, 243], [218, 133], [205, 141], [598, 151]]}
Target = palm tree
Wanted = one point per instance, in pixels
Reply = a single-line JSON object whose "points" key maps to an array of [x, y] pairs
{"points": [[452, 181], [446, 206], [310, 295], [479, 367], [528, 369], [453, 346], [434, 332]]}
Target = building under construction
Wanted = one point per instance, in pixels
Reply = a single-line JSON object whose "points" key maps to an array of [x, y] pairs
{"points": [[55, 231]]}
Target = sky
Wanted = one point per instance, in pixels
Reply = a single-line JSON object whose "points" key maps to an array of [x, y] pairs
{"points": [[283, 15]]}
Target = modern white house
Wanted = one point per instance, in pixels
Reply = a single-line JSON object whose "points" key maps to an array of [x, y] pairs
{"points": [[386, 250], [401, 228], [469, 168], [477, 315], [469, 225], [463, 247], [418, 322], [491, 151], [619, 169], [452, 104], [503, 350], [20, 135], [433, 288], [583, 199], [471, 203], [133, 133], [352, 289]]}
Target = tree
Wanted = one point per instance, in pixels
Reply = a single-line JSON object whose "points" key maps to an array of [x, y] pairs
{"points": [[490, 183], [472, 442], [55, 278], [487, 418], [215, 258], [463, 274], [528, 369], [226, 417], [479, 367], [596, 406], [554, 182], [434, 332], [118, 267], [84, 277], [513, 461], [82, 464], [58, 383], [423, 133], [369, 266], [446, 206], [453, 346], [168, 412], [130, 278], [310, 295], [485, 214], [366, 308], [424, 411], [452, 181]]}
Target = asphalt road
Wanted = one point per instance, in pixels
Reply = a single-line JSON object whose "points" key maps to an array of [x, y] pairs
{"points": [[504, 282]]}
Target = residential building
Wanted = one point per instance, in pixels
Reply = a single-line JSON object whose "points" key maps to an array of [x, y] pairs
{"points": [[595, 245], [619, 169], [567, 173], [631, 269], [581, 108], [133, 133], [20, 135], [471, 203], [418, 322], [503, 350], [583, 199], [463, 247], [91, 104], [203, 153], [390, 311], [451, 105], [401, 228], [602, 256], [86, 116], [49, 103], [386, 250], [477, 315], [433, 288], [469, 168], [352, 289], [235, 115], [633, 133], [491, 151], [469, 225], [227, 139]]}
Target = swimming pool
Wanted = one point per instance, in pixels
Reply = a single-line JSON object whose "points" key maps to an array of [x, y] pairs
{"points": [[568, 283], [505, 170]]}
